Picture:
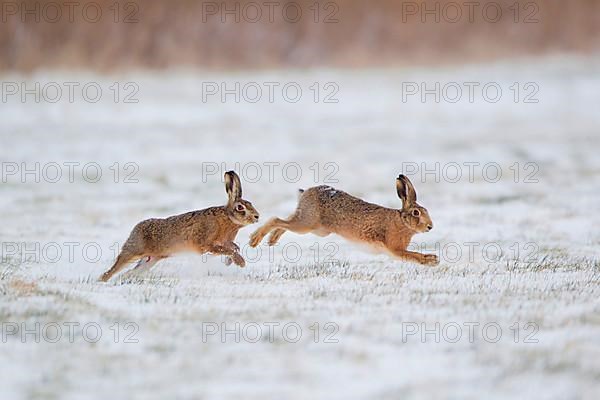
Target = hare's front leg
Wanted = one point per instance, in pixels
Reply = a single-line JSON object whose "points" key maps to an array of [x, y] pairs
{"points": [[231, 244], [425, 259], [228, 249]]}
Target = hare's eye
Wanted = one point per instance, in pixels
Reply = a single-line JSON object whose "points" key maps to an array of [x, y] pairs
{"points": [[416, 213], [239, 207]]}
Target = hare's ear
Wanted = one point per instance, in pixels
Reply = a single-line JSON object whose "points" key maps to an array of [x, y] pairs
{"points": [[406, 192], [233, 186]]}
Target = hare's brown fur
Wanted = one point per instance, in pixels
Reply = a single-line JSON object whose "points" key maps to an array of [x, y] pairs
{"points": [[212, 230], [323, 210]]}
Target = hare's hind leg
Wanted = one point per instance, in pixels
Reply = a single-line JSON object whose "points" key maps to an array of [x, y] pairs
{"points": [[122, 260], [135, 247], [295, 224], [261, 232], [146, 263], [275, 235], [278, 232], [143, 265]]}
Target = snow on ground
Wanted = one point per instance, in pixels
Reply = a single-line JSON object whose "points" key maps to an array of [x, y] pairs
{"points": [[522, 324]]}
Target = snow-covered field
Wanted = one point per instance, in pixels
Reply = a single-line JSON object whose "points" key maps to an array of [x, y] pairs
{"points": [[314, 317]]}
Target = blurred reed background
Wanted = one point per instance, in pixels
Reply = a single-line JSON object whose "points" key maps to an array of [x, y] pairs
{"points": [[159, 34]]}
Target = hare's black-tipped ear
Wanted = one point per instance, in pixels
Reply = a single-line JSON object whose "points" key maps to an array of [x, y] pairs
{"points": [[233, 186], [406, 192]]}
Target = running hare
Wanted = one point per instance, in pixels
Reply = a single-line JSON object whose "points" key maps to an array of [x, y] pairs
{"points": [[323, 210], [211, 230]]}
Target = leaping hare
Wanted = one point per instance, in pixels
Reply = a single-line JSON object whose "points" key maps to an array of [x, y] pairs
{"points": [[211, 230], [323, 210]]}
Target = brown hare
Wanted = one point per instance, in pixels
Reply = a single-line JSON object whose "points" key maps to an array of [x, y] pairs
{"points": [[211, 230], [323, 210]]}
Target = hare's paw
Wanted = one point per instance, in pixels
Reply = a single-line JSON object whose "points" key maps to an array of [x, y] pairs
{"points": [[275, 235], [255, 238], [238, 260], [430, 259], [232, 246]]}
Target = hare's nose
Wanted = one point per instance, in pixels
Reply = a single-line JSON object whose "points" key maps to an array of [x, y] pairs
{"points": [[256, 217], [429, 227]]}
